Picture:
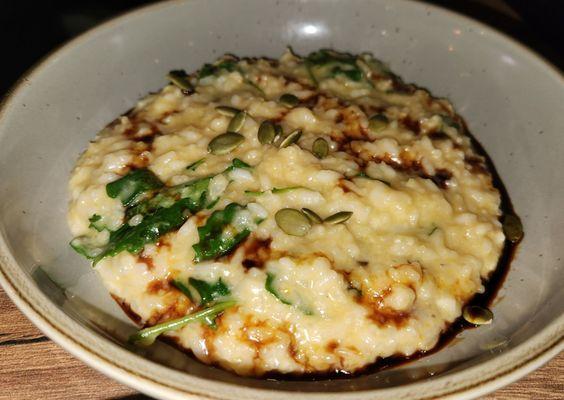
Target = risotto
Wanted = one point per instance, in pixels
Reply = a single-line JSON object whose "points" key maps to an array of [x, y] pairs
{"points": [[300, 215]]}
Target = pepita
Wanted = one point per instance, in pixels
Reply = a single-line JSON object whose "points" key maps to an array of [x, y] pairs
{"points": [[377, 123], [292, 138], [237, 122], [312, 215], [279, 133], [289, 100], [225, 143], [227, 111], [338, 218], [180, 79], [477, 315], [320, 148], [512, 228], [266, 133], [292, 222]]}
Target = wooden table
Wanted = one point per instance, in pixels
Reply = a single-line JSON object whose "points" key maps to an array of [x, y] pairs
{"points": [[33, 367]]}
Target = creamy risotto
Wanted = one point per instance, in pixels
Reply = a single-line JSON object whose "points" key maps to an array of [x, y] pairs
{"points": [[301, 215]]}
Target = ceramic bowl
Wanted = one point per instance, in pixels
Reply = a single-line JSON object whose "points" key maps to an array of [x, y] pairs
{"points": [[511, 99]]}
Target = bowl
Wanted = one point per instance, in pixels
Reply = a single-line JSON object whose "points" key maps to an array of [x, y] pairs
{"points": [[511, 99]]}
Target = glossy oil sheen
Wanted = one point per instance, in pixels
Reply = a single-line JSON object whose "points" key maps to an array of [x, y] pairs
{"points": [[510, 99]]}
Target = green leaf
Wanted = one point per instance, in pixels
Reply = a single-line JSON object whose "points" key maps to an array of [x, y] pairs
{"points": [[196, 164], [87, 247], [237, 163], [131, 188], [254, 192], [324, 63], [209, 292], [353, 74], [269, 286], [218, 237], [152, 227], [177, 283], [286, 189], [193, 193], [95, 223], [209, 69], [147, 336]]}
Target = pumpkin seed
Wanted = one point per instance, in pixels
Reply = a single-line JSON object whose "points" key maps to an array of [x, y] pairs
{"points": [[477, 315], [289, 100], [292, 222], [338, 218], [279, 133], [266, 133], [312, 215], [377, 123], [292, 138], [320, 148], [237, 122], [225, 143], [512, 228], [180, 79], [364, 67], [227, 111]]}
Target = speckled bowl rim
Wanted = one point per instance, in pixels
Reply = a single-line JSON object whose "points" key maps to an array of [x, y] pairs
{"points": [[53, 322]]}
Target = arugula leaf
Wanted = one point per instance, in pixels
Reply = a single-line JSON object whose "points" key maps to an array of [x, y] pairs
{"points": [[196, 164], [134, 238], [237, 163], [147, 336], [193, 193], [286, 189], [325, 63], [177, 283], [209, 69], [87, 246], [254, 192], [131, 188], [95, 223], [209, 292], [353, 74], [269, 286], [218, 237]]}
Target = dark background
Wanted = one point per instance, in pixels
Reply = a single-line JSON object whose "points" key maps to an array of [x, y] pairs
{"points": [[30, 29]]}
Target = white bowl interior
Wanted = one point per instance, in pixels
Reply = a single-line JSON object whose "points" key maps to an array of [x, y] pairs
{"points": [[510, 99]]}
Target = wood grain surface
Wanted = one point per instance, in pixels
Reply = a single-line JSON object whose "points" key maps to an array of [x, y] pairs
{"points": [[33, 367]]}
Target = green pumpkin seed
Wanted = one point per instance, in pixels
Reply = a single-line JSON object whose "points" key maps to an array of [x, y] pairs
{"points": [[289, 100], [237, 122], [364, 67], [227, 111], [266, 133], [180, 79], [377, 123], [320, 148], [312, 215], [225, 143], [292, 138], [292, 222], [279, 133], [338, 218], [477, 315], [512, 228]]}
